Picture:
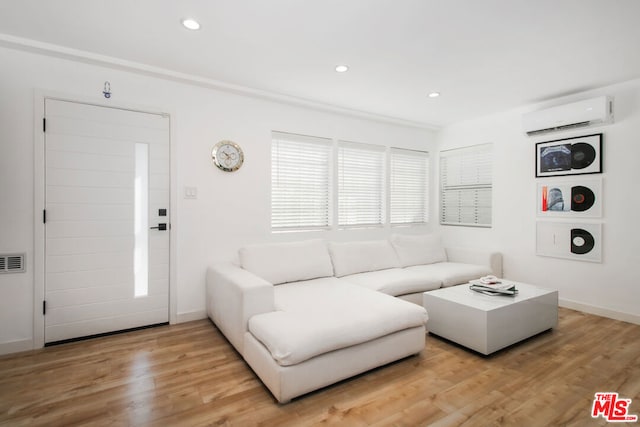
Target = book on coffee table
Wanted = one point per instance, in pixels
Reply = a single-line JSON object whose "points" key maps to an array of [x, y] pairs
{"points": [[494, 288]]}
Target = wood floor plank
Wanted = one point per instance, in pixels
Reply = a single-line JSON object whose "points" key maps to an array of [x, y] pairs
{"points": [[189, 375]]}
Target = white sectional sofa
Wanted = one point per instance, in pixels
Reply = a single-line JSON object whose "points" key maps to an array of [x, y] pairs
{"points": [[308, 314]]}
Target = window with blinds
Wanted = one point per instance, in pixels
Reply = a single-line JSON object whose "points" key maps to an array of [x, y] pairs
{"points": [[300, 182], [465, 186], [408, 186], [361, 175]]}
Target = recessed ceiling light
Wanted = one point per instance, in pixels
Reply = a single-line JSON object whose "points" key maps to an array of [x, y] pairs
{"points": [[342, 68], [434, 94], [191, 24]]}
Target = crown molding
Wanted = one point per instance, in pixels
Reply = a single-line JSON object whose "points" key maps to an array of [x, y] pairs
{"points": [[58, 51]]}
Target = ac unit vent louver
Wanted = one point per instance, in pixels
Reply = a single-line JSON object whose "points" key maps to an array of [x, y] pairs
{"points": [[12, 263], [559, 128]]}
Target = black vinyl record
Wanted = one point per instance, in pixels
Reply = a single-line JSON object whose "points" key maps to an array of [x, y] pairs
{"points": [[582, 241], [582, 198], [582, 155]]}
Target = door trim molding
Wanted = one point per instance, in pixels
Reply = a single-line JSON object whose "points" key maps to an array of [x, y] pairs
{"points": [[40, 96]]}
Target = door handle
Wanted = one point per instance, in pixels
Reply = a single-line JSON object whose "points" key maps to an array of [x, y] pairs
{"points": [[161, 227]]}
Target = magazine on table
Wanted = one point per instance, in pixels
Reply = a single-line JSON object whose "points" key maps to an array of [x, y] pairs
{"points": [[491, 285]]}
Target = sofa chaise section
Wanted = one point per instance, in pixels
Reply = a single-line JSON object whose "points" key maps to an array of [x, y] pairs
{"points": [[325, 330], [288, 382], [322, 315]]}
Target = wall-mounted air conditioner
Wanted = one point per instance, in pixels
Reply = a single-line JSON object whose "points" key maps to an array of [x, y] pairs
{"points": [[590, 112]]}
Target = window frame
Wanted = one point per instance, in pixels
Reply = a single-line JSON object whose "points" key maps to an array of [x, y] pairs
{"points": [[348, 217], [324, 196], [420, 212], [475, 184]]}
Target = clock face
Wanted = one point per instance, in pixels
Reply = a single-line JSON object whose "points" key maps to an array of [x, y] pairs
{"points": [[227, 156]]}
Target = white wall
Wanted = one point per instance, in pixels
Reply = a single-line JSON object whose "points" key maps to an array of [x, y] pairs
{"points": [[609, 288], [232, 209]]}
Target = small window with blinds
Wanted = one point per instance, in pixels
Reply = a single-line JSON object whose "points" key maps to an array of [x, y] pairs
{"points": [[361, 185], [408, 186], [300, 182], [465, 186]]}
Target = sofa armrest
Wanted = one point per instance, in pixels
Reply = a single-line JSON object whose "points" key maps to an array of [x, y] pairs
{"points": [[235, 295], [493, 260]]}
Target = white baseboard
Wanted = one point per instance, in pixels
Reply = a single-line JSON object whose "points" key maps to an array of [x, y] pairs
{"points": [[191, 315], [599, 311], [16, 346]]}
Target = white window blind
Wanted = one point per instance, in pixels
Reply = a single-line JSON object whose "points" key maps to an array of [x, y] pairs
{"points": [[409, 186], [360, 184], [465, 186], [300, 182]]}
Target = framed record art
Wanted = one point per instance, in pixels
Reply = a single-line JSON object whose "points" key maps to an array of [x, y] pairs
{"points": [[578, 241], [571, 156], [570, 197]]}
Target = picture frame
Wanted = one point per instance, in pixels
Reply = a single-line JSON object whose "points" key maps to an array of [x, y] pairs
{"points": [[577, 155], [569, 240], [570, 197]]}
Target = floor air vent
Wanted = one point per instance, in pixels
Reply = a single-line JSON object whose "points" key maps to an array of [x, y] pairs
{"points": [[12, 263]]}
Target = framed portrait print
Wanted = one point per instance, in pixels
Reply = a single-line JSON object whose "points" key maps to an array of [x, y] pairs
{"points": [[570, 156]]}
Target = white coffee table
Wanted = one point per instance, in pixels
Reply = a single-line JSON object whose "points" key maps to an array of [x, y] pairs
{"points": [[487, 323]]}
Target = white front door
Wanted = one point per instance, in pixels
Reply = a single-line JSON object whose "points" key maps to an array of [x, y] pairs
{"points": [[107, 185]]}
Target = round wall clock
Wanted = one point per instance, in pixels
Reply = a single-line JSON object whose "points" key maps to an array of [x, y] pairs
{"points": [[227, 156]]}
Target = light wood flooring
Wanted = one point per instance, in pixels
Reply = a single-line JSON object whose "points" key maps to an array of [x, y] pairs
{"points": [[189, 375]]}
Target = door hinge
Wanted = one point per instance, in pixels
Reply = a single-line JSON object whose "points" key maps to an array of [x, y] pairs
{"points": [[44, 216], [44, 124], [44, 308]]}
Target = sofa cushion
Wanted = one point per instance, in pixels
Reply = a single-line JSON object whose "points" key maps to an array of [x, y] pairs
{"points": [[418, 250], [395, 281], [287, 262], [451, 273], [360, 256], [318, 316]]}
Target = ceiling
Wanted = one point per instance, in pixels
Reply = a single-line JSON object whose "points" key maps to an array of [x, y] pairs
{"points": [[482, 56]]}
